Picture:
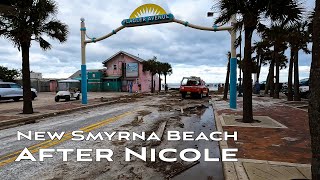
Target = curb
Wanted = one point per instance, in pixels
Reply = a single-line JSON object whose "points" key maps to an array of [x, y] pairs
{"points": [[16, 122], [231, 170]]}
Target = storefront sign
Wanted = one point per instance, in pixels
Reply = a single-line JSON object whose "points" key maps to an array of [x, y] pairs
{"points": [[132, 70]]}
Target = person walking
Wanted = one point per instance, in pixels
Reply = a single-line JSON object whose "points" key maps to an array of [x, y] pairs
{"points": [[130, 86]]}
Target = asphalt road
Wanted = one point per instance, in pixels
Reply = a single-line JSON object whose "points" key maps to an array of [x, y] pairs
{"points": [[113, 118]]}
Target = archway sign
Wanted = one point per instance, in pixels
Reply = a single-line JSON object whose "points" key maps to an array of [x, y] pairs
{"points": [[151, 14]]}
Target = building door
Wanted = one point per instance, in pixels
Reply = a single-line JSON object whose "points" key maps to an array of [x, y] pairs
{"points": [[124, 86]]}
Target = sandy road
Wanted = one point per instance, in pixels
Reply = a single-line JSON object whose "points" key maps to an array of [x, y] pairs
{"points": [[47, 99], [114, 118]]}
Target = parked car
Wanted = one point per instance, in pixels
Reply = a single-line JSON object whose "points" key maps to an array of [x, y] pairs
{"points": [[304, 87], [9, 90], [284, 88], [263, 85], [193, 86]]}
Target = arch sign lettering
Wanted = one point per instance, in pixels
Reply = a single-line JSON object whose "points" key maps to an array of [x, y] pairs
{"points": [[151, 14], [158, 15]]}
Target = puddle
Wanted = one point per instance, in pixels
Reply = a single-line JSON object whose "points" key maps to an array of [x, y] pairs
{"points": [[203, 170]]}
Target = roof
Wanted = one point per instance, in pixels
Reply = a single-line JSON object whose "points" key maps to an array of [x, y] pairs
{"points": [[125, 53], [69, 81], [6, 82], [112, 77], [77, 74]]}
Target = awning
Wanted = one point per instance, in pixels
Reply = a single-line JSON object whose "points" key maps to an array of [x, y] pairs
{"points": [[112, 77], [78, 78]]}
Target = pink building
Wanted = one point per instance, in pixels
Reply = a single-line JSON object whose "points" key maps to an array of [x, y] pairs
{"points": [[123, 70]]}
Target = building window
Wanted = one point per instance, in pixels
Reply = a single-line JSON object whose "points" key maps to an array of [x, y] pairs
{"points": [[115, 67]]}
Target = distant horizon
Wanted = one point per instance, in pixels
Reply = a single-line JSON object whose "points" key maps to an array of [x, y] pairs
{"points": [[200, 53]]}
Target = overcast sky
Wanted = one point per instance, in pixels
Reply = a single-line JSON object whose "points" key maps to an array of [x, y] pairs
{"points": [[191, 52]]}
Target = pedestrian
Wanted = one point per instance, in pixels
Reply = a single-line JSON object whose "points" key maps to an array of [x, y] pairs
{"points": [[257, 87], [130, 86]]}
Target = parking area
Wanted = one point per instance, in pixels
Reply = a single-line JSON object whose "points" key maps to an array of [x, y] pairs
{"points": [[47, 99]]}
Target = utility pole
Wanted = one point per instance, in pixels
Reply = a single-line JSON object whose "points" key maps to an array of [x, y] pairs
{"points": [[84, 83], [233, 66]]}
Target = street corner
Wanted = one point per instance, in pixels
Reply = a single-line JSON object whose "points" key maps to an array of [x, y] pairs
{"points": [[279, 134]]}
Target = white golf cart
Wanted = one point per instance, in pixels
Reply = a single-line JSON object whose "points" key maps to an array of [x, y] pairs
{"points": [[67, 90]]}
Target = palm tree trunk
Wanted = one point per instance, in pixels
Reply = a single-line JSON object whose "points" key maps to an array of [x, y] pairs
{"points": [[159, 83], [277, 61], [152, 88], [259, 63], [271, 80], [247, 77], [296, 76], [267, 87], [290, 94], [27, 101], [165, 81], [314, 100], [226, 87]]}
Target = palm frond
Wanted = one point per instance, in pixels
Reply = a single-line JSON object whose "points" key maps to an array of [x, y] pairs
{"points": [[56, 30], [45, 45], [32, 18]]}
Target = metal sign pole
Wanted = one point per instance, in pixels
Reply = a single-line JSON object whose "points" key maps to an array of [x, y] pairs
{"points": [[84, 86], [233, 67]]}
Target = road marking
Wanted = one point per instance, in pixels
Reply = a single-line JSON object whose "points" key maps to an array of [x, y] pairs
{"points": [[4, 160]]}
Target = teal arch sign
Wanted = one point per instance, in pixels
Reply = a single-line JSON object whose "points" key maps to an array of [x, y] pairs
{"points": [[159, 16]]}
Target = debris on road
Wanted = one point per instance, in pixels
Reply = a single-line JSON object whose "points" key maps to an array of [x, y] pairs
{"points": [[159, 132], [182, 169], [158, 114]]}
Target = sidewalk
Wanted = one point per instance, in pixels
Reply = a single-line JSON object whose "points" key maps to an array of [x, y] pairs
{"points": [[276, 146], [45, 106]]}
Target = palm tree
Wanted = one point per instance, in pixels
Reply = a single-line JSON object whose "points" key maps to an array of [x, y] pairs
{"points": [[160, 72], [151, 65], [252, 11], [268, 54], [167, 70], [271, 77], [299, 37], [5, 7], [31, 21], [262, 55], [314, 98], [226, 86], [290, 76], [277, 35]]}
